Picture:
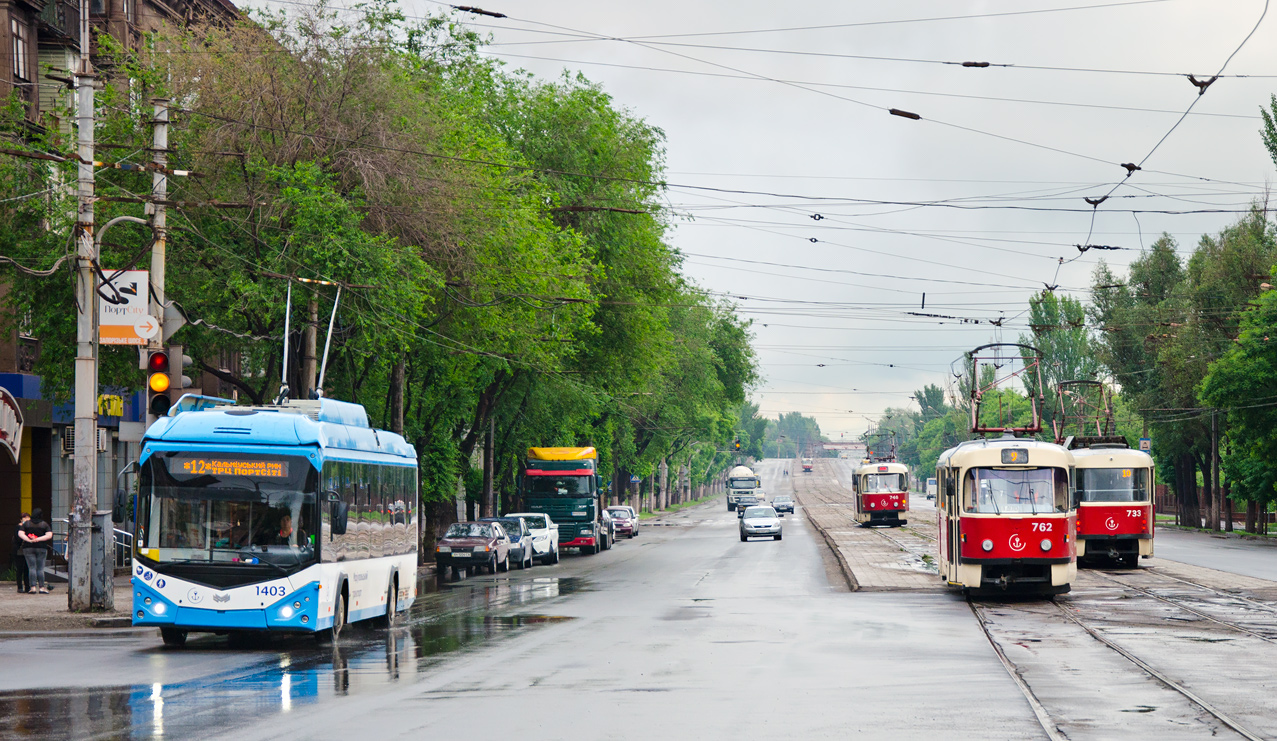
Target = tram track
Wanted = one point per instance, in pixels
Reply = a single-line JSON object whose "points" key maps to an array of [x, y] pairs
{"points": [[1182, 604]]}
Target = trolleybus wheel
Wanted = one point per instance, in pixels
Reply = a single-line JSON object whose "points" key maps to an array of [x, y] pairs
{"points": [[174, 637], [392, 605], [329, 635]]}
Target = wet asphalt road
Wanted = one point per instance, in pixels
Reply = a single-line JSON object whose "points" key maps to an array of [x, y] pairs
{"points": [[684, 632], [1234, 555]]}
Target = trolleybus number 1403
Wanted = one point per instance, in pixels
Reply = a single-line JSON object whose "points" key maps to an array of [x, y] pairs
{"points": [[274, 590]]}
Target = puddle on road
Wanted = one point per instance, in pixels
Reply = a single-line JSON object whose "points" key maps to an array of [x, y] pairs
{"points": [[283, 673]]}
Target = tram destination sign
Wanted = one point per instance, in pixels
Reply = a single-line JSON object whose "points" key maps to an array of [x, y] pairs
{"points": [[209, 466], [1015, 455]]}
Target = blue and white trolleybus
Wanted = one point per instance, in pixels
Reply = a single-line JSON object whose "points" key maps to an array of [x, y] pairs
{"points": [[298, 517]]}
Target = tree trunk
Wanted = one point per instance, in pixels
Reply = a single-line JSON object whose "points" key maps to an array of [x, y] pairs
{"points": [[397, 396], [1216, 497], [488, 498], [1185, 480], [309, 371], [663, 490], [1252, 516]]}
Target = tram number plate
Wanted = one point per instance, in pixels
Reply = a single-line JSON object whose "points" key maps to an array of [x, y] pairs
{"points": [[1042, 527], [272, 591], [1133, 513]]}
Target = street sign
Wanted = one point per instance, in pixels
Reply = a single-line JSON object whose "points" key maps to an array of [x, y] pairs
{"points": [[124, 309], [1146, 444], [634, 479], [10, 424]]}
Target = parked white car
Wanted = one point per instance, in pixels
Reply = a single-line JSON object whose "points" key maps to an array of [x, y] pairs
{"points": [[545, 535]]}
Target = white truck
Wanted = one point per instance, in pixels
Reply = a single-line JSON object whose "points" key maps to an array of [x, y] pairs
{"points": [[740, 480]]}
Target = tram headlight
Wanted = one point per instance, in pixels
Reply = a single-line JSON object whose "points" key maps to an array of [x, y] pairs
{"points": [[1046, 544], [987, 545]]}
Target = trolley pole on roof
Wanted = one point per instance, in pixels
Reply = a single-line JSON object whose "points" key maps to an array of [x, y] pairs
{"points": [[84, 467]]}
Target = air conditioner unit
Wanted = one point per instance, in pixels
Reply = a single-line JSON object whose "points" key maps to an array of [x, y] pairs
{"points": [[104, 439], [68, 440]]}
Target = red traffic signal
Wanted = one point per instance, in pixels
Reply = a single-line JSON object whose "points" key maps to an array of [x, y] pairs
{"points": [[157, 362]]}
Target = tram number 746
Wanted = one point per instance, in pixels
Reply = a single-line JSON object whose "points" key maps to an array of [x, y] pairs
{"points": [[1042, 527]]}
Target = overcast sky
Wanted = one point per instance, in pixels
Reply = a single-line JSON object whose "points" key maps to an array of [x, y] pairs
{"points": [[779, 98]]}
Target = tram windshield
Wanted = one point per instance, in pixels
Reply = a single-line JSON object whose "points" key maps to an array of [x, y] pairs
{"points": [[883, 483], [227, 508], [1019, 491], [1112, 484]]}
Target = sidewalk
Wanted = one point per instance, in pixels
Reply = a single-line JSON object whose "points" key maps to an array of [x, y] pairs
{"points": [[48, 612], [872, 559]]}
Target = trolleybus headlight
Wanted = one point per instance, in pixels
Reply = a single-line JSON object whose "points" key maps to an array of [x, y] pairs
{"points": [[159, 608], [297, 605], [285, 612], [147, 600], [1046, 544], [987, 545], [305, 618], [140, 615]]}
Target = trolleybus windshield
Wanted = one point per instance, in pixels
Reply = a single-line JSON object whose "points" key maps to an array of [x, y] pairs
{"points": [[227, 508], [1019, 491], [559, 486], [879, 483], [1112, 484]]}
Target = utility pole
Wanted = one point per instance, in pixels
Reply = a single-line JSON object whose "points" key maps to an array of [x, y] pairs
{"points": [[159, 223], [488, 505], [84, 469], [310, 340]]}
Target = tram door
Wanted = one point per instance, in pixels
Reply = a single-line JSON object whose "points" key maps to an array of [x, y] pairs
{"points": [[952, 535]]}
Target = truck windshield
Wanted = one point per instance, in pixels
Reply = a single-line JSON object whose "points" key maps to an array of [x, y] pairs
{"points": [[748, 483], [877, 483], [227, 508], [559, 486], [1019, 491], [1112, 484]]}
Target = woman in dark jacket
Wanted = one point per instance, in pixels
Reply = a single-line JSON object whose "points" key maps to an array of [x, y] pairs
{"points": [[36, 535]]}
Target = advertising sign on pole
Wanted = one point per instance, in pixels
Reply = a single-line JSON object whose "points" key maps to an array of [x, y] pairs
{"points": [[124, 309]]}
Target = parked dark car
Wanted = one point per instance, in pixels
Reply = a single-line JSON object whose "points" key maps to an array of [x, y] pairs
{"points": [[520, 537], [625, 520], [469, 545]]}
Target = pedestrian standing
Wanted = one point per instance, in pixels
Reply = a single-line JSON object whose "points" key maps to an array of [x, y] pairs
{"points": [[19, 560], [36, 534]]}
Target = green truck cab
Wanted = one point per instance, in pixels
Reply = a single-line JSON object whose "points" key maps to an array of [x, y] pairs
{"points": [[564, 484]]}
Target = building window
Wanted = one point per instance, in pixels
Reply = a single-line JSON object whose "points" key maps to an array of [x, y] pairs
{"points": [[97, 7], [19, 49]]}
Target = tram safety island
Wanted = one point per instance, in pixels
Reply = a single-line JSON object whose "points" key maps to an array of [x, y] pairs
{"points": [[1006, 516], [297, 518]]}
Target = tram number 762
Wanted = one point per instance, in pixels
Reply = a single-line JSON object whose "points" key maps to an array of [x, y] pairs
{"points": [[1042, 527]]}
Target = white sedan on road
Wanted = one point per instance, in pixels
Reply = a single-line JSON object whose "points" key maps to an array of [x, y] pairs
{"points": [[545, 535]]}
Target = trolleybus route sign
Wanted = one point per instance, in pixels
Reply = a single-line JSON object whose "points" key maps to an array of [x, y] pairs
{"points": [[225, 467]]}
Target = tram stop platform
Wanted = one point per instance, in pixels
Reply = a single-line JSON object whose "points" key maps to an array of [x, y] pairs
{"points": [[872, 559]]}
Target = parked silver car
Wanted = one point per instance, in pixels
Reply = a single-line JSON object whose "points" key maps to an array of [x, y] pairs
{"points": [[758, 521]]}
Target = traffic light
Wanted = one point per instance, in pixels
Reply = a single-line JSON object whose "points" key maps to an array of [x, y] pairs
{"points": [[158, 383], [738, 444], [163, 376]]}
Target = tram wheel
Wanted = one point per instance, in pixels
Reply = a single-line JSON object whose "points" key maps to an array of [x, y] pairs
{"points": [[173, 637]]}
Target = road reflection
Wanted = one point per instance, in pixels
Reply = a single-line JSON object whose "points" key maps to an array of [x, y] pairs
{"points": [[283, 673]]}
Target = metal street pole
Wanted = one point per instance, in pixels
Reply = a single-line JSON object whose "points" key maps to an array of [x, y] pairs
{"points": [[84, 469], [159, 222]]}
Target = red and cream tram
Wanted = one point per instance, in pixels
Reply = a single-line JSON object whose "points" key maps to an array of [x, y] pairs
{"points": [[1114, 493], [882, 494], [1006, 516]]}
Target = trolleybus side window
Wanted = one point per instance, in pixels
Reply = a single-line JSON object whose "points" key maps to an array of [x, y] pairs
{"points": [[1019, 491], [1112, 484]]}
